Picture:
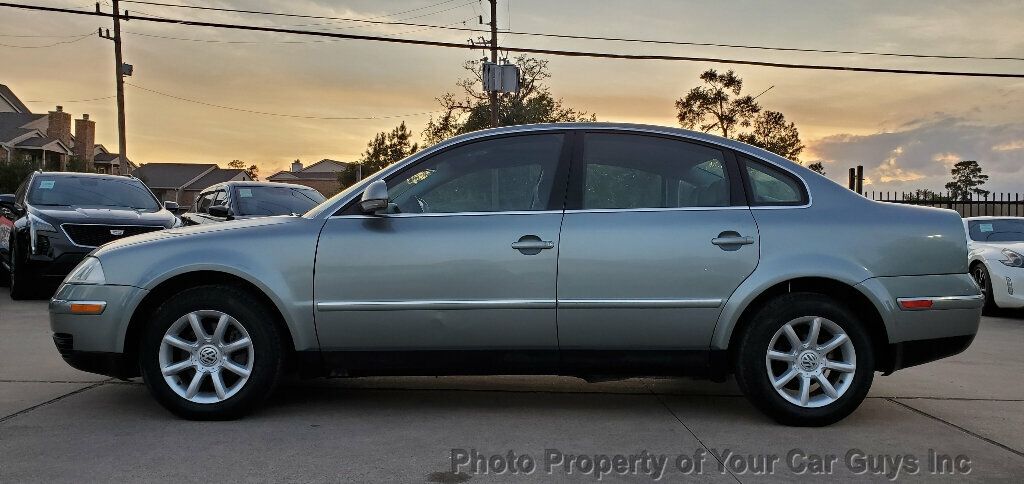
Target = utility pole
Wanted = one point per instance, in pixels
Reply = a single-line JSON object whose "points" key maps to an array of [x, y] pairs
{"points": [[119, 73], [494, 59]]}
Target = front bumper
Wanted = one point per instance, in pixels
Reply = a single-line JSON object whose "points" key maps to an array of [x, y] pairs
{"points": [[94, 342], [1007, 284]]}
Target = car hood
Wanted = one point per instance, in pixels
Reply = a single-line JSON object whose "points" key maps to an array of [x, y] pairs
{"points": [[197, 231], [102, 215]]}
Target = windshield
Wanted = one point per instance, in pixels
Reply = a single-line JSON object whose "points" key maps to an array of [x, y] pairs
{"points": [[996, 230], [257, 200], [90, 191]]}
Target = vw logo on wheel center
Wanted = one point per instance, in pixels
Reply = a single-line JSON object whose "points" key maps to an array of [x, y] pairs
{"points": [[208, 355], [809, 361]]}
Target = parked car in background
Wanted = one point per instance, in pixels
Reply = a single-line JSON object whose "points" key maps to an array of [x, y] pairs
{"points": [[239, 200], [55, 219], [996, 253], [592, 250]]}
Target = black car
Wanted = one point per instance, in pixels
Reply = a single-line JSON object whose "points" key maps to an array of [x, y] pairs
{"points": [[236, 200], [55, 219]]}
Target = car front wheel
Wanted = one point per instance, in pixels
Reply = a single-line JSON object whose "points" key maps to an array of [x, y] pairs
{"points": [[805, 360], [22, 284], [211, 353], [980, 274]]}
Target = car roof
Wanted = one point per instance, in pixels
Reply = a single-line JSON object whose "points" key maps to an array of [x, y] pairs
{"points": [[71, 174], [229, 184]]}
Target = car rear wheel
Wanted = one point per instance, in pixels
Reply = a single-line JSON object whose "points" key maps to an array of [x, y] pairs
{"points": [[211, 353], [805, 360], [980, 274]]}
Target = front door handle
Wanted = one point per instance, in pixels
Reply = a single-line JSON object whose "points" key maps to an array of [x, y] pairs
{"points": [[531, 244], [731, 238]]}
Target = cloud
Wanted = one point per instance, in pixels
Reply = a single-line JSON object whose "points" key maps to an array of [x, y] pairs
{"points": [[919, 154]]}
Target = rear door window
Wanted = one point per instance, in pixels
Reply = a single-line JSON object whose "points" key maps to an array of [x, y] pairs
{"points": [[626, 171]]}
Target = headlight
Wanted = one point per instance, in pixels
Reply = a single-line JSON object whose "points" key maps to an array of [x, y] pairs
{"points": [[1013, 259], [89, 271], [177, 223], [36, 225]]}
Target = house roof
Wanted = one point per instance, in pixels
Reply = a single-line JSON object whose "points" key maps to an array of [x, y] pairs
{"points": [[8, 95], [214, 177], [43, 142], [105, 157], [11, 124], [171, 175], [339, 165], [304, 175]]}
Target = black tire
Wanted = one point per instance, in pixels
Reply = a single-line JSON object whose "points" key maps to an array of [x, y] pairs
{"points": [[252, 314], [751, 369], [5, 277], [981, 276], [22, 285]]}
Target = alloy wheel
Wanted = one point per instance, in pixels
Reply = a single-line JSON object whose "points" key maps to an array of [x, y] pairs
{"points": [[206, 356], [979, 277], [811, 361]]}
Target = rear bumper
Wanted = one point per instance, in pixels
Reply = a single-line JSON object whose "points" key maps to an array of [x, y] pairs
{"points": [[913, 353], [956, 309]]}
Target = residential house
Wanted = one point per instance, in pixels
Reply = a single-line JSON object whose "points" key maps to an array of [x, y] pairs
{"points": [[107, 162], [46, 139], [181, 182], [321, 176]]}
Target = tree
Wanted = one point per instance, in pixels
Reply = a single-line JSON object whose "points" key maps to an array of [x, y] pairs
{"points": [[718, 107], [711, 107], [384, 149], [817, 167], [469, 110], [773, 133], [253, 171], [924, 194], [13, 172], [967, 178]]}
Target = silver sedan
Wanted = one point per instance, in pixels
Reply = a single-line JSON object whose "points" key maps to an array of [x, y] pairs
{"points": [[591, 250]]}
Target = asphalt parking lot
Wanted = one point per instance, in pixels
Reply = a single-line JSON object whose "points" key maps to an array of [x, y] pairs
{"points": [[61, 425]]}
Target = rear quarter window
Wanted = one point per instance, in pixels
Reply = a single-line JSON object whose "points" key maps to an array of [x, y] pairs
{"points": [[768, 186]]}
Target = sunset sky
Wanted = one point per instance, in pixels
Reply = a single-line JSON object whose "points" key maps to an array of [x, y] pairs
{"points": [[905, 130]]}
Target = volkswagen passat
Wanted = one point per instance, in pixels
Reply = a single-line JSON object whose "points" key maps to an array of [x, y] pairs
{"points": [[592, 250]]}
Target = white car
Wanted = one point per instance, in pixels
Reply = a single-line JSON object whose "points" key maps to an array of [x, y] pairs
{"points": [[996, 245]]}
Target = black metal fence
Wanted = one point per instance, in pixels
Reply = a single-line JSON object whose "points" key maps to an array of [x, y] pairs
{"points": [[993, 204]]}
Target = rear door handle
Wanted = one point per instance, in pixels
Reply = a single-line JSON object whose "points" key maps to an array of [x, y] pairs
{"points": [[732, 240], [533, 245]]}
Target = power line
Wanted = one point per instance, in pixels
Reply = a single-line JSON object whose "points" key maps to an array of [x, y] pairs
{"points": [[312, 17], [61, 42], [438, 4], [72, 101], [590, 37], [280, 115], [49, 36], [554, 52], [219, 41]]}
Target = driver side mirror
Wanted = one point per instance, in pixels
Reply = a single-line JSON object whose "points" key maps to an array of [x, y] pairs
{"points": [[375, 197], [7, 203], [171, 206], [220, 211]]}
